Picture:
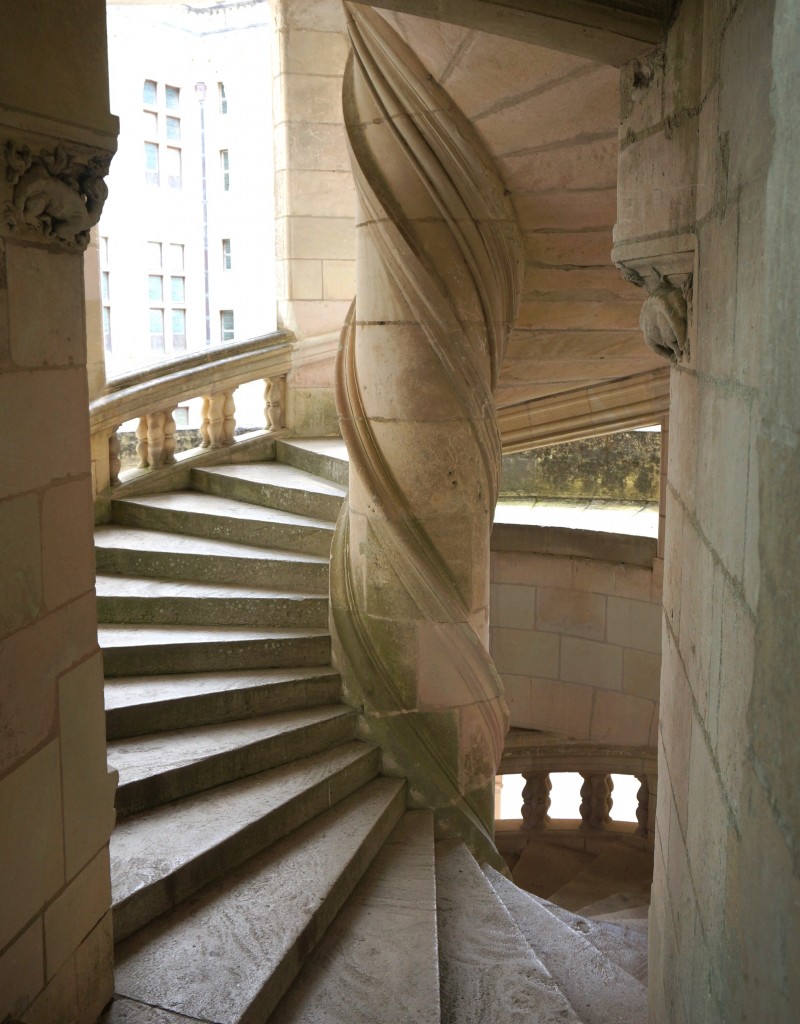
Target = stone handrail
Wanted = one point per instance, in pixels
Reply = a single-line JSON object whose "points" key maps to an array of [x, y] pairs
{"points": [[534, 755], [152, 393]]}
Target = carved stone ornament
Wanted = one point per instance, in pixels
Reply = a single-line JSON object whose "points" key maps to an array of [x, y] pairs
{"points": [[665, 314], [55, 195]]}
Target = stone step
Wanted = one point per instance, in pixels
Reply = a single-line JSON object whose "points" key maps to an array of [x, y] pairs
{"points": [[598, 990], [321, 456], [143, 704], [219, 829], [206, 515], [128, 551], [355, 975], [274, 485], [488, 970], [614, 870], [544, 867], [132, 649], [228, 953], [155, 769], [624, 945], [635, 901], [122, 599]]}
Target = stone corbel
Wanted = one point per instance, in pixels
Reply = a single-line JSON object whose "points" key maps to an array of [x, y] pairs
{"points": [[668, 277], [52, 195]]}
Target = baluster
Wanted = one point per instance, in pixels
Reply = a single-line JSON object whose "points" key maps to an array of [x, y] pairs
{"points": [[536, 800], [596, 800], [205, 434], [169, 438], [642, 805], [155, 439], [229, 422], [114, 460], [274, 402], [142, 448]]}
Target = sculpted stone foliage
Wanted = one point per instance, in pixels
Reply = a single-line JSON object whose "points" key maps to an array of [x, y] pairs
{"points": [[665, 314], [54, 195], [438, 267]]}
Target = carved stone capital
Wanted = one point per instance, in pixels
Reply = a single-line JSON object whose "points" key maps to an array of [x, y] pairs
{"points": [[51, 194]]}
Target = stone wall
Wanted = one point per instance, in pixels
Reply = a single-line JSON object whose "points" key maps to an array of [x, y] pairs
{"points": [[709, 161], [576, 632], [314, 201], [624, 466], [56, 798]]}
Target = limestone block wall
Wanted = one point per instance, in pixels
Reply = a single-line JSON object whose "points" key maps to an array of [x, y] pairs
{"points": [[314, 200], [575, 623], [56, 798], [708, 153]]}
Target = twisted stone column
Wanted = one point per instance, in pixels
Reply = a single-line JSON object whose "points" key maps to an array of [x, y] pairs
{"points": [[438, 265]]}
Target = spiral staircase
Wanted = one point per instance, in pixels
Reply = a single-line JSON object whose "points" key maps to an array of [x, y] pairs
{"points": [[262, 868]]}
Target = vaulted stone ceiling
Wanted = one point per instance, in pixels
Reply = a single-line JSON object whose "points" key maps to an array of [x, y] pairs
{"points": [[550, 121]]}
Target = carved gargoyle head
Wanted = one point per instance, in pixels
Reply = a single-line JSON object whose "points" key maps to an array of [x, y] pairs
{"points": [[665, 313]]}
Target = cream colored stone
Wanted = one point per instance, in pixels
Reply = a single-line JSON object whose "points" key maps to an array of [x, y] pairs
{"points": [[51, 333], [94, 963], [76, 911], [59, 1000], [567, 210], [326, 238], [316, 98], [634, 624], [88, 789], [539, 570], [312, 318], [559, 707], [30, 661], [56, 401], [338, 279], [67, 547], [22, 972], [304, 279], [513, 606], [306, 146], [571, 613], [31, 855], [620, 718], [641, 673], [525, 652], [591, 663], [582, 165], [317, 193], [20, 556], [518, 698], [307, 52], [320, 15]]}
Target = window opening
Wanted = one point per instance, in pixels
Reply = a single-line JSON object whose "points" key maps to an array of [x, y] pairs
{"points": [[223, 99], [226, 170], [172, 97], [226, 324], [150, 92], [226, 254], [151, 163]]}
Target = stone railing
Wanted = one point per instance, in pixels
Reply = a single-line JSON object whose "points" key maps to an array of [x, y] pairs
{"points": [[537, 755], [152, 394]]}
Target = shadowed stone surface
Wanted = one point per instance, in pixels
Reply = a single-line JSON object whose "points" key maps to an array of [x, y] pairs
{"points": [[356, 975], [489, 971], [598, 990], [228, 953]]}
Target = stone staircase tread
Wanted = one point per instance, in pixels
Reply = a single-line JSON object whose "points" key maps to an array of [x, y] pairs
{"points": [[131, 538], [355, 976], [634, 898], [136, 705], [219, 829], [614, 870], [626, 946], [329, 447], [488, 970], [198, 503], [153, 587], [277, 474], [597, 988], [144, 756], [125, 692], [229, 952], [143, 635]]}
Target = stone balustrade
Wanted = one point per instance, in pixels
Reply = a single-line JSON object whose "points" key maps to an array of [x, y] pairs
{"points": [[537, 755], [153, 393]]}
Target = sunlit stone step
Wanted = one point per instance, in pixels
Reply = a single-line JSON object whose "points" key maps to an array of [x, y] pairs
{"points": [[215, 831], [140, 704], [275, 485], [229, 952], [156, 768], [321, 456]]}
